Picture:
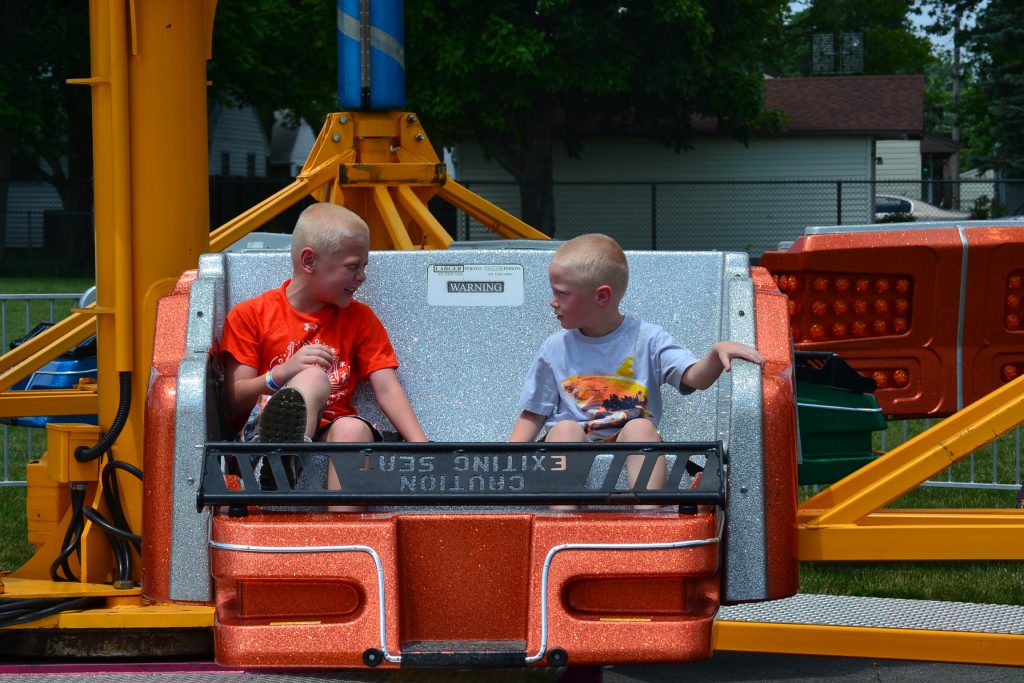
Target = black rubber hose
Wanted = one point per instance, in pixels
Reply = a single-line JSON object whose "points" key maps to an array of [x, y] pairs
{"points": [[127, 467], [122, 556], [98, 519], [26, 604], [124, 405], [72, 538], [113, 496], [62, 606]]}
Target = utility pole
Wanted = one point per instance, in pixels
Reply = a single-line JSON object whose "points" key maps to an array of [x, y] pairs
{"points": [[954, 160]]}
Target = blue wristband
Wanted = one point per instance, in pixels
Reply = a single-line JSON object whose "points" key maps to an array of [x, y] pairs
{"points": [[271, 384]]}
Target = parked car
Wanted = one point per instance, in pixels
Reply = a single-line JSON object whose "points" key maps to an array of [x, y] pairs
{"points": [[892, 207]]}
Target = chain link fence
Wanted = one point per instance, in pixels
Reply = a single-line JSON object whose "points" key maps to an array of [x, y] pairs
{"points": [[752, 216], [19, 315], [43, 239]]}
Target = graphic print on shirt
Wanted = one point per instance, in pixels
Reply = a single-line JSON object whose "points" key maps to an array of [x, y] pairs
{"points": [[339, 373], [610, 401]]}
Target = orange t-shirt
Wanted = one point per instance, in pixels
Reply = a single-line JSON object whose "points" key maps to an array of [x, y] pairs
{"points": [[265, 331]]}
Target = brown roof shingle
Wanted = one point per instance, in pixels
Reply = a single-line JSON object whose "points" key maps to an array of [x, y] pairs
{"points": [[880, 105]]}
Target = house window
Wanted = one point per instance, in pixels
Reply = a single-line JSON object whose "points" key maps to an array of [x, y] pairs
{"points": [[225, 163], [250, 165]]}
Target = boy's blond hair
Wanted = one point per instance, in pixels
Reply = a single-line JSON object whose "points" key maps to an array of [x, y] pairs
{"points": [[325, 228], [595, 260]]}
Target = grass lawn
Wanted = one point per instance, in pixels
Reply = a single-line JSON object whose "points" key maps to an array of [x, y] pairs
{"points": [[987, 582], [22, 316]]}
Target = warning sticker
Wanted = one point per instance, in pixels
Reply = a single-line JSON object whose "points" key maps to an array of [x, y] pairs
{"points": [[475, 284]]}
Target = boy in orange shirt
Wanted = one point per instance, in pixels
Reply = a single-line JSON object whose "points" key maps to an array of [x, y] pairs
{"points": [[294, 355]]}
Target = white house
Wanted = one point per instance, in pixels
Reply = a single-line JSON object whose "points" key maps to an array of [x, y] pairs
{"points": [[238, 145], [289, 147], [699, 202]]}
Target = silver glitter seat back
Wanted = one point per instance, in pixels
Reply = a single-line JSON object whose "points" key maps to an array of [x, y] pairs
{"points": [[466, 324]]}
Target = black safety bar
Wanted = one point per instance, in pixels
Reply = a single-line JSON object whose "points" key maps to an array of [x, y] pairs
{"points": [[240, 474]]}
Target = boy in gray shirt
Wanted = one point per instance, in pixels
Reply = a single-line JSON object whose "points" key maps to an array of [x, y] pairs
{"points": [[599, 378]]}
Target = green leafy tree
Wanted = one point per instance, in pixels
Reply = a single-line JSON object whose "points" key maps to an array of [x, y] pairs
{"points": [[995, 108], [276, 55], [889, 42], [950, 77], [45, 124], [270, 54], [523, 77]]}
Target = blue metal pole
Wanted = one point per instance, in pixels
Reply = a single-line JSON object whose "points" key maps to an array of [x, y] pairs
{"points": [[371, 54]]}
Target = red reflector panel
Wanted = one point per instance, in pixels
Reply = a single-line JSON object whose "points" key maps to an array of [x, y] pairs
{"points": [[590, 598], [848, 305], [297, 600]]}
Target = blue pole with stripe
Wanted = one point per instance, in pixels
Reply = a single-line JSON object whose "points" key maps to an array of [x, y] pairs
{"points": [[371, 54]]}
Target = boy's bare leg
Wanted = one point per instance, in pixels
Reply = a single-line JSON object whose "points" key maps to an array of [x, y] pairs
{"points": [[344, 430], [565, 431], [314, 386], [643, 430]]}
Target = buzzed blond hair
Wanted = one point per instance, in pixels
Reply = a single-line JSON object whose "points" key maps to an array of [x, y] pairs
{"points": [[325, 228], [594, 260]]}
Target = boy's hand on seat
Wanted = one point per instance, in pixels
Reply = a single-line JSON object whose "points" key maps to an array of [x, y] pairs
{"points": [[704, 372], [728, 350]]}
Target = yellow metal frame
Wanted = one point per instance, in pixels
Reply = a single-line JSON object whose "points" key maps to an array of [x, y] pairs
{"points": [[882, 643], [846, 521]]}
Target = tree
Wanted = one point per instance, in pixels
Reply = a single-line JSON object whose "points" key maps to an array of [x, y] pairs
{"points": [[890, 44], [996, 107], [276, 55], [45, 124], [271, 54], [523, 77]]}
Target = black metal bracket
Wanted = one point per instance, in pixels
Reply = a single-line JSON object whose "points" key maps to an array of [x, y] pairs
{"points": [[239, 474]]}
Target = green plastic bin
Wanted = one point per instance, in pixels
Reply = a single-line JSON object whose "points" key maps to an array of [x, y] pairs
{"points": [[835, 431]]}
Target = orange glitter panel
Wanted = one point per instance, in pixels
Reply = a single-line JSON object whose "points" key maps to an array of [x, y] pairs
{"points": [[336, 636], [453, 585], [454, 570], [608, 638], [917, 276], [993, 327], [779, 435], [158, 440]]}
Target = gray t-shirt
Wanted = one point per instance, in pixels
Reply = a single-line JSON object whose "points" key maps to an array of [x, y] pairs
{"points": [[603, 382]]}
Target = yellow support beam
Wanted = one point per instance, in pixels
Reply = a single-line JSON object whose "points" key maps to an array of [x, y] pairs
{"points": [[139, 617], [882, 643], [48, 402], [44, 339], [493, 218], [437, 238], [42, 588], [915, 539], [45, 348], [392, 221], [304, 185]]}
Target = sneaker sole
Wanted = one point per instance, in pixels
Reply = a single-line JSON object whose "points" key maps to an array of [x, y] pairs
{"points": [[283, 418]]}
